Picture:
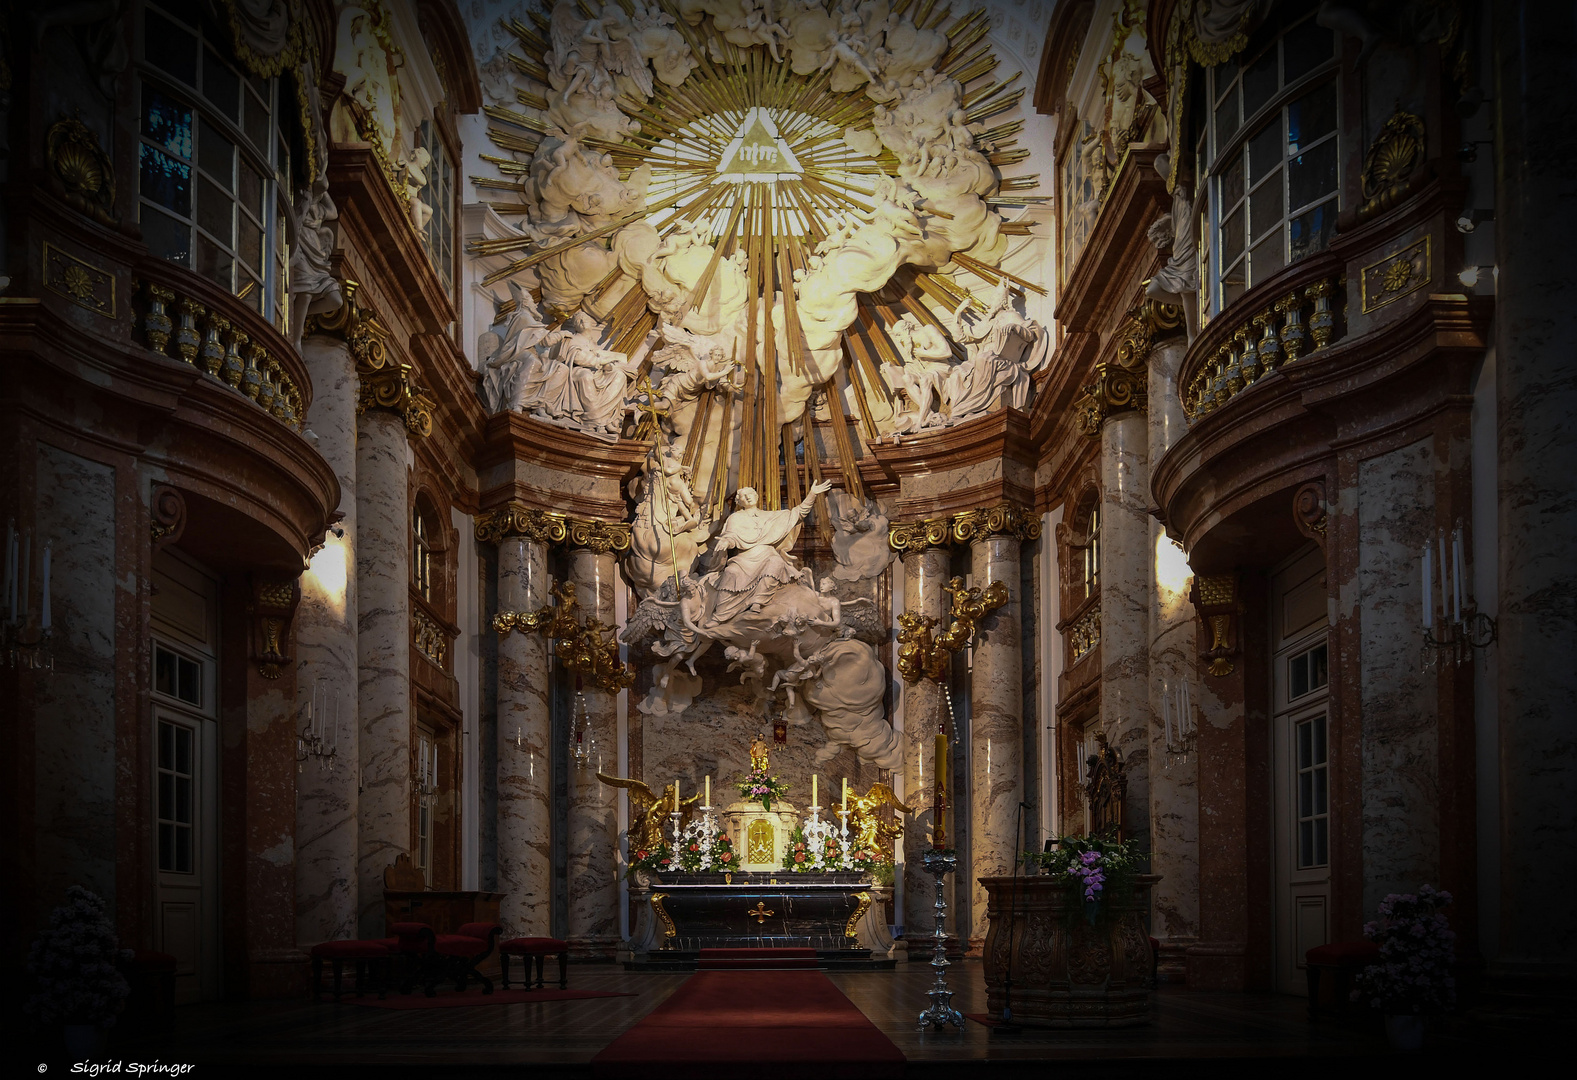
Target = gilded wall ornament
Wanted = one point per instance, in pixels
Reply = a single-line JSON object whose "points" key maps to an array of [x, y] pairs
{"points": [[80, 282], [926, 655], [543, 526], [1215, 598], [907, 537], [600, 537], [392, 389], [269, 615], [1391, 168], [1115, 390], [1004, 519], [1395, 276], [81, 167], [586, 648]]}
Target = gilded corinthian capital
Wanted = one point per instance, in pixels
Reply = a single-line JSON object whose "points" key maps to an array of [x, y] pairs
{"points": [[548, 527], [1004, 519], [906, 537]]}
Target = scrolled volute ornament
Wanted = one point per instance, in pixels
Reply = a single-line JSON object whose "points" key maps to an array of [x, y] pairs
{"points": [[923, 654], [912, 536], [543, 526], [1116, 389]]}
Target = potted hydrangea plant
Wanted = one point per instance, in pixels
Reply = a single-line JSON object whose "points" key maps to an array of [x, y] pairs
{"points": [[1413, 976], [76, 982]]}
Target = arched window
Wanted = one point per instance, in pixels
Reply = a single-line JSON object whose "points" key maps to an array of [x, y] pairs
{"points": [[424, 540], [1090, 553], [214, 166], [1266, 154]]}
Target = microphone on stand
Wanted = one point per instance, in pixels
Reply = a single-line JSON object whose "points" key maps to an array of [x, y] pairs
{"points": [[1007, 1023]]}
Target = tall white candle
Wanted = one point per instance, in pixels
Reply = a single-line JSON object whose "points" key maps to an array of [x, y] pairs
{"points": [[813, 789], [46, 614], [1429, 598], [1166, 713], [1188, 708], [708, 799], [845, 794], [1456, 574]]}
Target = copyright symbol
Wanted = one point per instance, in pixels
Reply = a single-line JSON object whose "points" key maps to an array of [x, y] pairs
{"points": [[42, 1067]]}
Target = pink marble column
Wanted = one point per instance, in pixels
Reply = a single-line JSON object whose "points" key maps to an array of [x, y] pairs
{"points": [[996, 730], [593, 821], [1536, 383], [924, 573], [1126, 557], [326, 669], [383, 648], [1174, 784], [525, 770]]}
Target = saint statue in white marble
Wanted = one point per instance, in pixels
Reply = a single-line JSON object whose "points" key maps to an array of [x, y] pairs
{"points": [[759, 568]]}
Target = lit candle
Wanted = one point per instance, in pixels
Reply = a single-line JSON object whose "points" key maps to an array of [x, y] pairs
{"points": [[1456, 571], [1429, 597], [845, 794], [45, 618], [708, 799], [813, 789], [676, 796]]}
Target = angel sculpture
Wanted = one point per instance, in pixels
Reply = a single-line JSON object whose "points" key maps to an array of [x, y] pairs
{"points": [[648, 812], [867, 827], [694, 364]]}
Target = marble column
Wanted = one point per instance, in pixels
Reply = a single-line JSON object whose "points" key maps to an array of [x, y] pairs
{"points": [[924, 573], [1174, 784], [1125, 561], [326, 669], [525, 731], [593, 817], [996, 729], [1536, 384], [383, 648]]}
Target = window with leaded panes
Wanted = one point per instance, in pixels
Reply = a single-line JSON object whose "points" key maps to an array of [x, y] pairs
{"points": [[1267, 155], [214, 165], [439, 195]]}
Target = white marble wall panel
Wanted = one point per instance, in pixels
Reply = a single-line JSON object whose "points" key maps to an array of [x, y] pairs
{"points": [[996, 730], [1401, 821], [326, 669], [383, 620], [525, 769], [1125, 569], [74, 738]]}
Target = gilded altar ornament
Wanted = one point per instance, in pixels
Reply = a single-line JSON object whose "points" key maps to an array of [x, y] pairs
{"points": [[869, 828], [761, 913], [669, 931], [851, 928], [648, 811], [83, 170], [924, 655]]}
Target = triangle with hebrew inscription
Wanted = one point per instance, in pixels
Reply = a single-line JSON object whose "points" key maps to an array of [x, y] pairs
{"points": [[757, 153]]}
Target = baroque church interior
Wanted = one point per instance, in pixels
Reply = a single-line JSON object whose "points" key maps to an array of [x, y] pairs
{"points": [[833, 534]]}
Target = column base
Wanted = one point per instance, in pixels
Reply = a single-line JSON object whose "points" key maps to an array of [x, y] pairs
{"points": [[594, 948], [1172, 963], [1217, 965]]}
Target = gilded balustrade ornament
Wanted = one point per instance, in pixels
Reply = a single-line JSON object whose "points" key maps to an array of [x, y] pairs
{"points": [[197, 333], [1004, 519], [430, 639], [1084, 634], [1266, 342], [587, 648], [924, 655]]}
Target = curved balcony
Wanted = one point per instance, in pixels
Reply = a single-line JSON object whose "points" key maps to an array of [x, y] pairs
{"points": [[187, 318]]}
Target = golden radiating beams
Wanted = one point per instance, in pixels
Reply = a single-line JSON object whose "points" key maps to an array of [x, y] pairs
{"points": [[993, 274]]}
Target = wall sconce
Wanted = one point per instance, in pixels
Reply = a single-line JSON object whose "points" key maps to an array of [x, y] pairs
{"points": [[319, 737], [1460, 627], [1177, 720]]}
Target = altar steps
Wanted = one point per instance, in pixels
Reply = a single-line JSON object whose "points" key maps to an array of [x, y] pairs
{"points": [[825, 960]]}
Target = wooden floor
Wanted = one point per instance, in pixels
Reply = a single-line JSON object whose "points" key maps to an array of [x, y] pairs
{"points": [[1190, 1034]]}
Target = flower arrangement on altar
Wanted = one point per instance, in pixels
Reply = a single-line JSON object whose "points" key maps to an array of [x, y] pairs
{"points": [[704, 848], [817, 847], [659, 859], [1102, 869], [1417, 947], [759, 783], [72, 962]]}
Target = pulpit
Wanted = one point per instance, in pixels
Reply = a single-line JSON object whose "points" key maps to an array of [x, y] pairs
{"points": [[1068, 970]]}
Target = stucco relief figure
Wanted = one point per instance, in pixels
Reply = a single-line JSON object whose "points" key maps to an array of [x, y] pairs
{"points": [[589, 64], [693, 364], [415, 176], [652, 30], [510, 353], [370, 83], [1178, 281], [859, 537], [757, 569], [1005, 349], [927, 359], [669, 527], [314, 289]]}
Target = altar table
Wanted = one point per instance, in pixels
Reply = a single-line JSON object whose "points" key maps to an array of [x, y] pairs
{"points": [[841, 916]]}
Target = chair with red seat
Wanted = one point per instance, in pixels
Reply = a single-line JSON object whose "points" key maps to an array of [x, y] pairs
{"points": [[363, 954], [539, 948]]}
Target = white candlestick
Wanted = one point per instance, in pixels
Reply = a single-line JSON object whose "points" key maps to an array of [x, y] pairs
{"points": [[1429, 598], [1456, 573], [45, 618]]}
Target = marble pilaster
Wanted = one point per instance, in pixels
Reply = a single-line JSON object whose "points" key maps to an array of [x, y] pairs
{"points": [[525, 769], [925, 571], [1537, 387], [326, 669], [383, 648], [996, 730], [1174, 783], [593, 821], [1125, 562]]}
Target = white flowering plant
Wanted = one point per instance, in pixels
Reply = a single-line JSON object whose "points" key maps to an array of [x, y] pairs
{"points": [[72, 962], [1417, 947], [704, 848]]}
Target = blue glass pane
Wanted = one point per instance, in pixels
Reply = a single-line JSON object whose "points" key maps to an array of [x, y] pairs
{"points": [[1311, 117], [1311, 176], [166, 181], [1311, 231], [171, 49], [167, 122]]}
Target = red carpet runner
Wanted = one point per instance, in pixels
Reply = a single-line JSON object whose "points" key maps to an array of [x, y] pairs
{"points": [[449, 999], [768, 1023]]}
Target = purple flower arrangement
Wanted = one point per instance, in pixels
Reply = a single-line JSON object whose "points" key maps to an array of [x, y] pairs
{"points": [[1417, 947], [759, 784], [1101, 869]]}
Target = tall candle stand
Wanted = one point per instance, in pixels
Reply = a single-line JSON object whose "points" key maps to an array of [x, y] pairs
{"points": [[673, 822], [939, 864]]}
